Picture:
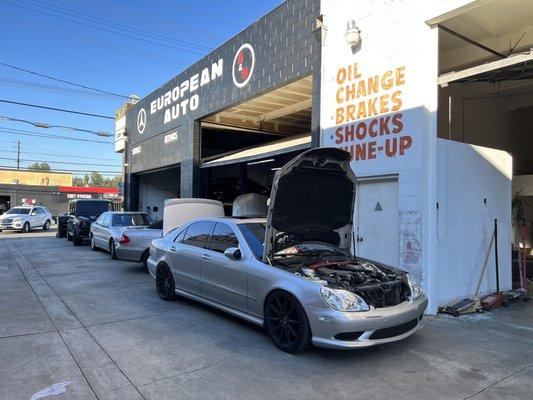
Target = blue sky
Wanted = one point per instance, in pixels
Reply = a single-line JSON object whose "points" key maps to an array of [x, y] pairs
{"points": [[121, 46]]}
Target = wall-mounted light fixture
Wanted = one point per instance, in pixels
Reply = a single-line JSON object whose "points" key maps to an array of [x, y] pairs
{"points": [[353, 34]]}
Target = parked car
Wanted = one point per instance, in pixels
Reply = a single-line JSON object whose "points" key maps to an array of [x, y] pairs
{"points": [[107, 232], [293, 272], [24, 218], [81, 214], [134, 244]]}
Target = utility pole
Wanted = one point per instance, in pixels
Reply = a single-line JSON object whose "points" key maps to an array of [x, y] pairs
{"points": [[18, 154]]}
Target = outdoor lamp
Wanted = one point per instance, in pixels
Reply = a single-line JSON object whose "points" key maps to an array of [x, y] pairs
{"points": [[353, 34]]}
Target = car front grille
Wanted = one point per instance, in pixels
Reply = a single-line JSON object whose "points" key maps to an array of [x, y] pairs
{"points": [[384, 294], [348, 335], [394, 330], [7, 221]]}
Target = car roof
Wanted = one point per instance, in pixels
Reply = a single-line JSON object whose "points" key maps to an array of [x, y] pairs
{"points": [[234, 220], [77, 200], [125, 212]]}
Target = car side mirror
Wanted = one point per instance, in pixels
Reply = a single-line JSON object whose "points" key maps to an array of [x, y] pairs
{"points": [[33, 213], [233, 253]]}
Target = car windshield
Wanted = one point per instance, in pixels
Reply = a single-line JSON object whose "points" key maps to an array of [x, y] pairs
{"points": [[18, 210], [254, 234], [92, 208], [130, 220]]}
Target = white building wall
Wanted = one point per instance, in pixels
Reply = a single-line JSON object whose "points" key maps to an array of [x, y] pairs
{"points": [[474, 189], [398, 47]]}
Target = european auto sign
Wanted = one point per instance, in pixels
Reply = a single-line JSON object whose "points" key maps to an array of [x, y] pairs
{"points": [[182, 95]]}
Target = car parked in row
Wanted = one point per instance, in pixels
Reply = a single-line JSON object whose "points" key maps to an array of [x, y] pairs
{"points": [[25, 218], [107, 232], [81, 214], [293, 272], [134, 244]]}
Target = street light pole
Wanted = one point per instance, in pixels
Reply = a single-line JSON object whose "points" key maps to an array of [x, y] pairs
{"points": [[18, 155]]}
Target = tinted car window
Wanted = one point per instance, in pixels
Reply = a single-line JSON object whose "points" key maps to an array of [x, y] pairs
{"points": [[180, 237], [106, 219], [100, 219], [157, 225], [130, 220], [91, 208], [222, 238], [17, 210], [198, 233], [254, 234]]}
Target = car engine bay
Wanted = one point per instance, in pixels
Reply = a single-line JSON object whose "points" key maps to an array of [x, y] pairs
{"points": [[378, 286]]}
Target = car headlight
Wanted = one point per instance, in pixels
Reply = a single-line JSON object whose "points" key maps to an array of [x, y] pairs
{"points": [[342, 300], [416, 288]]}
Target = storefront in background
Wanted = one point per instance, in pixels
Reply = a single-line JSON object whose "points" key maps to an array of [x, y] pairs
{"points": [[410, 88]]}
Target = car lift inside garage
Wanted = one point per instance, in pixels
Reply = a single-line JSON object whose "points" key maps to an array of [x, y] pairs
{"points": [[486, 99], [243, 146]]}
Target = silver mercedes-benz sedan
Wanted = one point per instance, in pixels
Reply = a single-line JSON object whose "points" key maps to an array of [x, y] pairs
{"points": [[107, 232], [293, 272]]}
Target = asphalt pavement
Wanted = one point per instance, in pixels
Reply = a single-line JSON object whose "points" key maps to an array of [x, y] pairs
{"points": [[75, 324]]}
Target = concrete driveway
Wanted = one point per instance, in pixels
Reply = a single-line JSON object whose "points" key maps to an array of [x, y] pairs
{"points": [[97, 330]]}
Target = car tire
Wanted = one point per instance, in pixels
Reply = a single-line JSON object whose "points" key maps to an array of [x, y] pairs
{"points": [[164, 283], [144, 260], [77, 240], [46, 225], [112, 249], [286, 322], [93, 244], [25, 227]]}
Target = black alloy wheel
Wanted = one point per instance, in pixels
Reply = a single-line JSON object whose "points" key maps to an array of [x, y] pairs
{"points": [[286, 322], [77, 240], [164, 283], [112, 249], [46, 225]]}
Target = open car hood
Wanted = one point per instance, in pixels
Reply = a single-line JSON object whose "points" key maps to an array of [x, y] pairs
{"points": [[312, 199]]}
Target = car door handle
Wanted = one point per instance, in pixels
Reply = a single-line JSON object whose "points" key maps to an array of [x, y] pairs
{"points": [[206, 257]]}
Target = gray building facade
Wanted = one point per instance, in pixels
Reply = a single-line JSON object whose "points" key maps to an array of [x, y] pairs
{"points": [[165, 130]]}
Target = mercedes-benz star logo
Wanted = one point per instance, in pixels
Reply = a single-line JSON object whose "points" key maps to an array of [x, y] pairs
{"points": [[141, 121]]}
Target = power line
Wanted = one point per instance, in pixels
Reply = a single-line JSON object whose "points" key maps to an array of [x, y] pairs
{"points": [[63, 81], [105, 29], [50, 126], [58, 162], [56, 109], [134, 30], [67, 170], [48, 136], [57, 155], [56, 89]]}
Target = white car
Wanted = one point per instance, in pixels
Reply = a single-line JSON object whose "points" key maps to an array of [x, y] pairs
{"points": [[24, 218]]}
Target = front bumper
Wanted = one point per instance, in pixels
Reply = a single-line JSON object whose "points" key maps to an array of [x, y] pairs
{"points": [[13, 226], [331, 328]]}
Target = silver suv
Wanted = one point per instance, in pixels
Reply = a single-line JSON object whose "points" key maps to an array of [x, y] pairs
{"points": [[24, 218]]}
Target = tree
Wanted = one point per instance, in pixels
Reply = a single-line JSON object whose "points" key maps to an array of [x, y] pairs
{"points": [[96, 179], [39, 166]]}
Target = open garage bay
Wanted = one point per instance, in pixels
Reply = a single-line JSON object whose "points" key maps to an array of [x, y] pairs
{"points": [[77, 319]]}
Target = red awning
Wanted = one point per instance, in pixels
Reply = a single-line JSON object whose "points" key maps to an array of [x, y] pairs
{"points": [[87, 189]]}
